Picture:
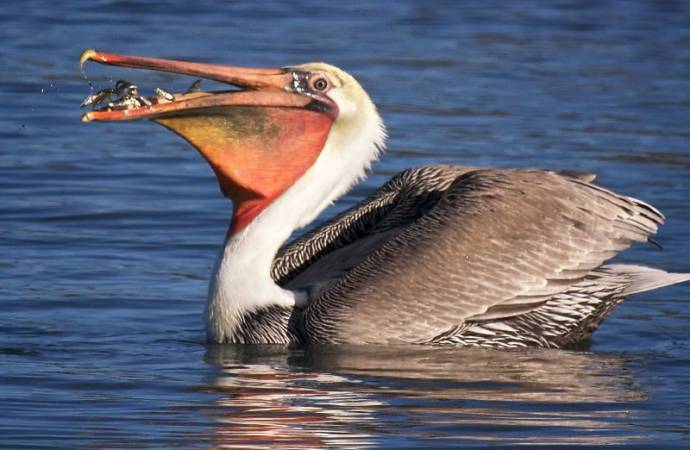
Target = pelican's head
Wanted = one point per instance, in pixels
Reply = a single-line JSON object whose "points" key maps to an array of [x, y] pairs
{"points": [[261, 139], [356, 111]]}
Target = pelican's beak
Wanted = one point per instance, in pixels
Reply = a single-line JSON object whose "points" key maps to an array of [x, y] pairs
{"points": [[259, 140]]}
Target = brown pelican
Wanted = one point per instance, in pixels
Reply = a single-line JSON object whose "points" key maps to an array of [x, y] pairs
{"points": [[438, 255]]}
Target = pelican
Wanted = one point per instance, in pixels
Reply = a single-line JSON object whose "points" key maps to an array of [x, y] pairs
{"points": [[443, 254]]}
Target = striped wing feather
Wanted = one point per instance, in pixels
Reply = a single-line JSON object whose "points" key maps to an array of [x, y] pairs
{"points": [[394, 205]]}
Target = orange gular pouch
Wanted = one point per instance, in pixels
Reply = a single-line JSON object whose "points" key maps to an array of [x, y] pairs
{"points": [[256, 152]]}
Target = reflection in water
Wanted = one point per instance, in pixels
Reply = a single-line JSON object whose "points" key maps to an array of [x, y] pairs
{"points": [[344, 397], [266, 405]]}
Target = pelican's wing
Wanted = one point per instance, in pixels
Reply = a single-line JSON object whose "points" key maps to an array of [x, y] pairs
{"points": [[496, 243]]}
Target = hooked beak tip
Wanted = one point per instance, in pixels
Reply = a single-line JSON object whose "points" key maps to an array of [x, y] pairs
{"points": [[89, 54]]}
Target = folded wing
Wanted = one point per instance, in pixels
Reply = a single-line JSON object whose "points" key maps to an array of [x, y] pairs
{"points": [[486, 244]]}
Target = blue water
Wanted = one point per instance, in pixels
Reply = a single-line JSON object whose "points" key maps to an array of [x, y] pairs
{"points": [[108, 232]]}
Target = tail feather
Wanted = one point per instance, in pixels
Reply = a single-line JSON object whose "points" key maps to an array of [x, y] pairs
{"points": [[567, 319], [645, 278]]}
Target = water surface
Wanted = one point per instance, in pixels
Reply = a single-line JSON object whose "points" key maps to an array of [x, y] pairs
{"points": [[108, 232]]}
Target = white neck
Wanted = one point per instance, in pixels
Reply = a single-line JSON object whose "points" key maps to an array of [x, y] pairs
{"points": [[241, 280]]}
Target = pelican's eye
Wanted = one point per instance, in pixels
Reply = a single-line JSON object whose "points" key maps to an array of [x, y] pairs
{"points": [[319, 84]]}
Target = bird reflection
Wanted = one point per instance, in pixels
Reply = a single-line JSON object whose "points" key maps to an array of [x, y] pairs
{"points": [[357, 397]]}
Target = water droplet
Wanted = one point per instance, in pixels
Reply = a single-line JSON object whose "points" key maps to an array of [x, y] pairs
{"points": [[83, 74]]}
